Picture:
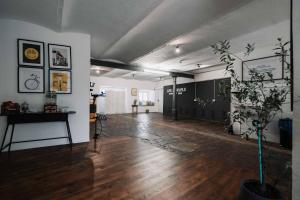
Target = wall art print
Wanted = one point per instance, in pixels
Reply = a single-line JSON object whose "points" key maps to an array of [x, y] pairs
{"points": [[59, 57], [30, 53], [31, 80]]}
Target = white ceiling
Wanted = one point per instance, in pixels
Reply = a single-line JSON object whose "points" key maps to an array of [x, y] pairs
{"points": [[145, 32]]}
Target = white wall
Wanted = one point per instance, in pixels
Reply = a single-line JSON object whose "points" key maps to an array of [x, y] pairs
{"points": [[296, 122], [265, 39], [78, 101], [127, 84], [216, 74]]}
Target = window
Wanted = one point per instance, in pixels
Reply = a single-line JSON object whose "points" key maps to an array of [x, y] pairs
{"points": [[146, 97]]}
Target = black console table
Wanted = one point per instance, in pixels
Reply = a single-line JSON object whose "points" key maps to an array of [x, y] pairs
{"points": [[35, 117]]}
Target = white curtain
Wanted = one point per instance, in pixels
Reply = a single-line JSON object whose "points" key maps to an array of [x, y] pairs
{"points": [[114, 102]]}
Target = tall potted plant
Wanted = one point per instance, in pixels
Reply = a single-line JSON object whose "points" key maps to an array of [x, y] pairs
{"points": [[258, 104]]}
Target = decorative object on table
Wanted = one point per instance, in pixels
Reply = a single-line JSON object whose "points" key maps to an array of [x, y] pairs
{"points": [[133, 91], [258, 104], [10, 107], [30, 53], [270, 64], [50, 108], [51, 98], [59, 56], [31, 80], [24, 107], [50, 105], [64, 109], [60, 81]]}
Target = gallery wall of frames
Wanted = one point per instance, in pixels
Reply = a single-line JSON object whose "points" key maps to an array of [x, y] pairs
{"points": [[32, 67]]}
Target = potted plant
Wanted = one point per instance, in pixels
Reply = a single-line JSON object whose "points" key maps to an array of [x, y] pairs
{"points": [[257, 104]]}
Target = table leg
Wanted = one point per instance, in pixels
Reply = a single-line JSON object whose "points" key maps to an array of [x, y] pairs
{"points": [[4, 137], [11, 137], [100, 125], [69, 133]]}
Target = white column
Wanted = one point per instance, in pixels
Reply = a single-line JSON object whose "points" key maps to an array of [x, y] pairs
{"points": [[296, 118]]}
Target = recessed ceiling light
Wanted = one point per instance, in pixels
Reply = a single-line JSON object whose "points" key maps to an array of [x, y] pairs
{"points": [[97, 71], [204, 66], [177, 49]]}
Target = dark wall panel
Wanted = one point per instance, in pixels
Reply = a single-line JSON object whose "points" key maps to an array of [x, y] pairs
{"points": [[167, 109], [185, 100], [222, 103], [213, 107], [205, 92]]}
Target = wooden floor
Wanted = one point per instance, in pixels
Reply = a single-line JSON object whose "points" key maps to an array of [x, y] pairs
{"points": [[141, 157]]}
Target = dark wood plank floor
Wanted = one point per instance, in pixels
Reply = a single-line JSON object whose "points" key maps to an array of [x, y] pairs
{"points": [[141, 157]]}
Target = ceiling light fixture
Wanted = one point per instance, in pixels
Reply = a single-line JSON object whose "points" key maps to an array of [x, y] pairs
{"points": [[177, 49], [202, 66], [97, 71], [156, 72]]}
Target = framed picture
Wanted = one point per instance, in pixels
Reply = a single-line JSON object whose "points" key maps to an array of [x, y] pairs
{"points": [[30, 53], [133, 92], [59, 57], [271, 64], [31, 80], [60, 81]]}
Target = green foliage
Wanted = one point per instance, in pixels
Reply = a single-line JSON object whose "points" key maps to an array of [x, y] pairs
{"points": [[255, 101]]}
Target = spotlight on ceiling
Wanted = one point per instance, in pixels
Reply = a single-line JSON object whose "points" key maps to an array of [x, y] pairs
{"points": [[97, 71], [202, 66], [156, 72], [177, 49]]}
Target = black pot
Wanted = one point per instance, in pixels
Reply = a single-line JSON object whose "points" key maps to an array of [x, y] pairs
{"points": [[250, 190]]}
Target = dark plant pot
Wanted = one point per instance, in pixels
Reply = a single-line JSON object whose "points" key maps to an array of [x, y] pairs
{"points": [[250, 190]]}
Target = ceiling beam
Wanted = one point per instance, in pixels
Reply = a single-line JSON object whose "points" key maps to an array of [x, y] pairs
{"points": [[59, 15], [183, 75], [103, 63], [115, 65]]}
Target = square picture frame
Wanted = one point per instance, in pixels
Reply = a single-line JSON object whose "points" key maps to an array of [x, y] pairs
{"points": [[31, 53], [60, 81], [59, 56], [271, 64], [133, 91], [31, 80]]}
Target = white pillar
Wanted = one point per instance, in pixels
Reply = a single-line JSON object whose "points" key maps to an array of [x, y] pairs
{"points": [[296, 118]]}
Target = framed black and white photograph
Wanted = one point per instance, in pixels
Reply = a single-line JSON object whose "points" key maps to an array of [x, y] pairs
{"points": [[59, 56], [60, 81], [272, 64], [31, 80], [31, 53]]}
